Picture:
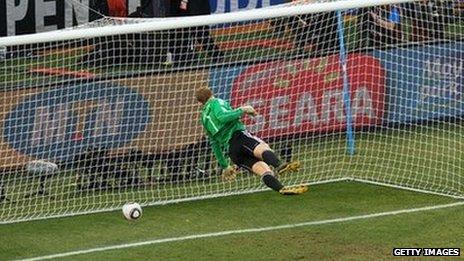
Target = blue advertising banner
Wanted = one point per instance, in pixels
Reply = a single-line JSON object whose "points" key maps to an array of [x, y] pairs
{"points": [[424, 82], [59, 123], [226, 6]]}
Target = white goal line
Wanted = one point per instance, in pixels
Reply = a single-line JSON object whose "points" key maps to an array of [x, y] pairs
{"points": [[248, 230]]}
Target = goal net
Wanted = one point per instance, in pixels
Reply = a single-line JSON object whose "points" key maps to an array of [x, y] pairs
{"points": [[97, 116]]}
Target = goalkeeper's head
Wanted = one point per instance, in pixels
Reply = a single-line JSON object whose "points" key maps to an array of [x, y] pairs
{"points": [[203, 94]]}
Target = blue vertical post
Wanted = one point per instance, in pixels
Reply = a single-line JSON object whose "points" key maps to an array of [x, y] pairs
{"points": [[350, 140]]}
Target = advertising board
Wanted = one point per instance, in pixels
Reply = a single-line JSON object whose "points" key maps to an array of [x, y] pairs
{"points": [[304, 96], [424, 82]]}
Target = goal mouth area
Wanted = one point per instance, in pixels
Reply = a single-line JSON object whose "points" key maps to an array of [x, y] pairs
{"points": [[112, 104], [236, 193]]}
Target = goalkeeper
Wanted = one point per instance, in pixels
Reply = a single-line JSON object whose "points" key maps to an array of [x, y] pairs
{"points": [[227, 133]]}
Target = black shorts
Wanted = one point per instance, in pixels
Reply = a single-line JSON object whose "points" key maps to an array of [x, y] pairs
{"points": [[241, 147]]}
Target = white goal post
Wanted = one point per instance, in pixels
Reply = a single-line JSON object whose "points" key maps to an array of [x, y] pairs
{"points": [[96, 116], [166, 24]]}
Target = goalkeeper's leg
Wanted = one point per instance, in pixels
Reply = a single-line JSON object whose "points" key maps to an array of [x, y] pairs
{"points": [[242, 150], [260, 168], [264, 152]]}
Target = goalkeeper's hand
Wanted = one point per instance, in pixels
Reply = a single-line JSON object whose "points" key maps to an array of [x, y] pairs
{"points": [[229, 173], [249, 110]]}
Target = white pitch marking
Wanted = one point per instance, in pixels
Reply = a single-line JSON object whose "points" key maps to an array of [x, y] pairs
{"points": [[243, 231]]}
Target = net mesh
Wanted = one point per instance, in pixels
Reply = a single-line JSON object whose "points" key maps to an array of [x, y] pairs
{"points": [[90, 124]]}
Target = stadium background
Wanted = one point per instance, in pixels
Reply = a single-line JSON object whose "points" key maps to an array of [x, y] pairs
{"points": [[26, 16], [431, 90], [434, 91]]}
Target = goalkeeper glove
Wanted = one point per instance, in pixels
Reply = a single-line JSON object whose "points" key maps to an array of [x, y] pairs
{"points": [[229, 173], [249, 110]]}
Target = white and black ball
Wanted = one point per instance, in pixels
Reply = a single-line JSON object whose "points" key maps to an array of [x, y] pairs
{"points": [[132, 211]]}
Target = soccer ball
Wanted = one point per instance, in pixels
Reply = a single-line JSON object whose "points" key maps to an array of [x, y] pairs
{"points": [[131, 211]]}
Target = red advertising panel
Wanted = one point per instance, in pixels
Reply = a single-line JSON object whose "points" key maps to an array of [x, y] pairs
{"points": [[307, 95]]}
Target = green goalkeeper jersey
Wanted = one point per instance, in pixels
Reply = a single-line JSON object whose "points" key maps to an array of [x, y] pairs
{"points": [[220, 122]]}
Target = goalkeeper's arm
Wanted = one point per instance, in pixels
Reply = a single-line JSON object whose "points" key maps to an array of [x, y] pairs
{"points": [[223, 112], [229, 172], [222, 160], [225, 115]]}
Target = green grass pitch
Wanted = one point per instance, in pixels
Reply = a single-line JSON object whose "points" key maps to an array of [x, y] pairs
{"points": [[365, 239]]}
